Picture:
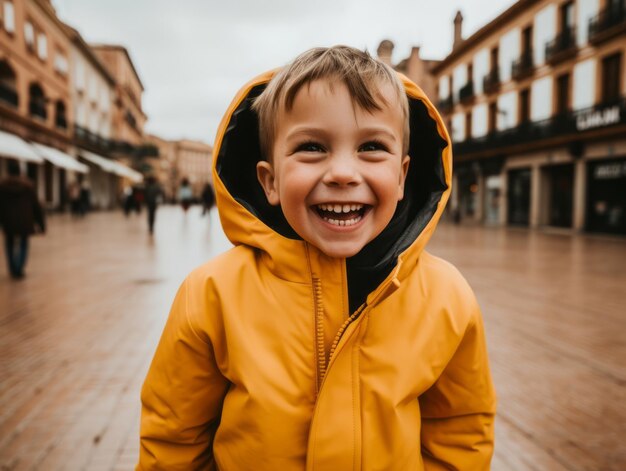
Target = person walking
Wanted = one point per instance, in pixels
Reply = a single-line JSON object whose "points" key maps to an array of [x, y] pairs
{"points": [[208, 198], [20, 215], [152, 196], [185, 194]]}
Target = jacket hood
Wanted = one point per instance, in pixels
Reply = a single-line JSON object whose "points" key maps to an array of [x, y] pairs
{"points": [[247, 217]]}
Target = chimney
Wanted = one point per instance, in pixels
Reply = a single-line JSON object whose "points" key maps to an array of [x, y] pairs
{"points": [[458, 29], [385, 49]]}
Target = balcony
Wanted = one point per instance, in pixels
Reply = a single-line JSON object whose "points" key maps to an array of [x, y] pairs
{"points": [[608, 23], [445, 104], [523, 67], [567, 125], [561, 47], [491, 82], [8, 96], [466, 93]]}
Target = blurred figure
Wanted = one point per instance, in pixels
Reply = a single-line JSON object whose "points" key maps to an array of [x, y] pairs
{"points": [[85, 198], [208, 199], [20, 212], [185, 194], [153, 194], [127, 199], [73, 192]]}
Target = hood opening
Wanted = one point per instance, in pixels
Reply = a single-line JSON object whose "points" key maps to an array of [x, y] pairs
{"points": [[425, 185]]}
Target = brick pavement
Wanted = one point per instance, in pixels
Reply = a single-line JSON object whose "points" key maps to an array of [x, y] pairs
{"points": [[77, 335]]}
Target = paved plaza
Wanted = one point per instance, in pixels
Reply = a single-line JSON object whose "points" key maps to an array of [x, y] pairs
{"points": [[77, 336]]}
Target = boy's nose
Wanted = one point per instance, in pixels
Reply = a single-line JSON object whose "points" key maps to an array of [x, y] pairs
{"points": [[342, 170]]}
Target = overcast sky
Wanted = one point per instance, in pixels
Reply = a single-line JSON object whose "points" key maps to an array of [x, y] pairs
{"points": [[193, 55]]}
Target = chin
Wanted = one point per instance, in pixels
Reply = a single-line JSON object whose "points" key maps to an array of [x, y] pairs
{"points": [[340, 252]]}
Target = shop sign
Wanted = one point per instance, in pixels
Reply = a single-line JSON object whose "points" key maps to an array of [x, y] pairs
{"points": [[598, 118], [610, 171]]}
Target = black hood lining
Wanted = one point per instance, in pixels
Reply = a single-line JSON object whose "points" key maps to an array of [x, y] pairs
{"points": [[425, 184]]}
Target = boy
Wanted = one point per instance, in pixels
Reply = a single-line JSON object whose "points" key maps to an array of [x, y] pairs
{"points": [[327, 339]]}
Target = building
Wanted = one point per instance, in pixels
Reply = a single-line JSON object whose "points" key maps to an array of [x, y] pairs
{"points": [[183, 159], [57, 107], [35, 96], [414, 67], [536, 105]]}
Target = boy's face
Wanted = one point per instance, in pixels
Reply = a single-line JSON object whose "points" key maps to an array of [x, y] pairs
{"points": [[337, 170]]}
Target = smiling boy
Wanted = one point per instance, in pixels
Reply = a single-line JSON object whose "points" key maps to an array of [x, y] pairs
{"points": [[327, 338]]}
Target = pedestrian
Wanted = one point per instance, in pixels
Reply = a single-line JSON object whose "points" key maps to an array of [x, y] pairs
{"points": [[84, 198], [21, 215], [327, 338], [208, 198], [127, 199], [185, 194], [152, 196], [73, 192]]}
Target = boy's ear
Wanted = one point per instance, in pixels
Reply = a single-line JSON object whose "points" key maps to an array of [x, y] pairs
{"points": [[265, 175], [406, 160]]}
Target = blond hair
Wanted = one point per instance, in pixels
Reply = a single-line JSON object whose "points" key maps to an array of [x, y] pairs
{"points": [[362, 74]]}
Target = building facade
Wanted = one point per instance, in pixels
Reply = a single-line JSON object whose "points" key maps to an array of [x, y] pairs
{"points": [[35, 96], [536, 105], [416, 68], [61, 108], [183, 159]]}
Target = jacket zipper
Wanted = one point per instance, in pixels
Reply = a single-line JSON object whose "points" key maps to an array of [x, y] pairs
{"points": [[343, 328], [319, 333]]}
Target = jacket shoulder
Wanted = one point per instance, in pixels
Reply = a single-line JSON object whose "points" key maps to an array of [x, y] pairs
{"points": [[447, 286]]}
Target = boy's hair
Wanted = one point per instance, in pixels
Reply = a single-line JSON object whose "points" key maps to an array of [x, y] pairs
{"points": [[358, 70]]}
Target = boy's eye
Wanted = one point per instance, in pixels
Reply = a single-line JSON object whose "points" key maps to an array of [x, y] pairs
{"points": [[372, 146], [309, 147]]}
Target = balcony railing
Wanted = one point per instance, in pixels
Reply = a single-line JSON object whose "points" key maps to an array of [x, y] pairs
{"points": [[445, 104], [8, 96], [562, 46], [491, 82], [571, 123], [608, 23], [92, 141], [466, 94], [524, 66]]}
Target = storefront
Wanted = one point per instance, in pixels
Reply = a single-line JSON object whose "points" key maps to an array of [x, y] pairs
{"points": [[560, 192], [518, 196], [606, 196]]}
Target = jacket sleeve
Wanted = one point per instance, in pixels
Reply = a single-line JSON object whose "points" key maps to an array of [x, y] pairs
{"points": [[182, 396], [458, 411]]}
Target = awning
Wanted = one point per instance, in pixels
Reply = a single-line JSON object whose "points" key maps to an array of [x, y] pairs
{"points": [[15, 147], [60, 159], [112, 166]]}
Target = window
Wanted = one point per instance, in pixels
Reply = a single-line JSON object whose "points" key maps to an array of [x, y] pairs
{"points": [[468, 125], [37, 102], [527, 41], [567, 16], [611, 68], [42, 46], [60, 63], [494, 58], [9, 17], [563, 94], [493, 113], [8, 86], [524, 106], [60, 120], [29, 35]]}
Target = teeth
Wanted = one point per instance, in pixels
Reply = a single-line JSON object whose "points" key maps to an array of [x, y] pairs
{"points": [[340, 208], [349, 222]]}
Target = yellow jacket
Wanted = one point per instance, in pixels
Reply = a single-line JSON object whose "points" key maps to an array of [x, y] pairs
{"points": [[262, 366]]}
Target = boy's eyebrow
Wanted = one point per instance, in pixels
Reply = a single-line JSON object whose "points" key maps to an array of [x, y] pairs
{"points": [[321, 132]]}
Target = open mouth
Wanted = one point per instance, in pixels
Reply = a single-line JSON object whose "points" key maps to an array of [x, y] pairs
{"points": [[342, 214]]}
